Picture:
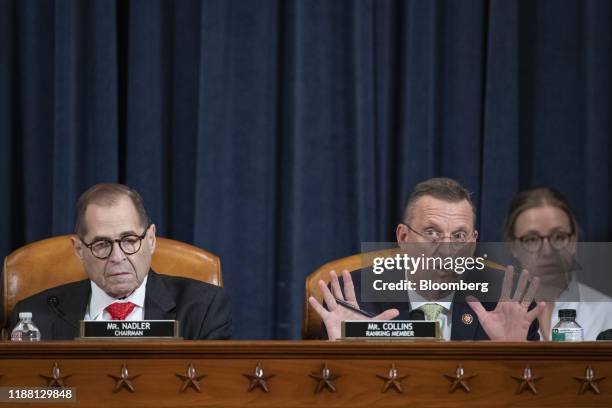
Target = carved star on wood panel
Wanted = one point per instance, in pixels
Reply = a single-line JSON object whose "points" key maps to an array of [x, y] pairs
{"points": [[392, 379], [259, 379], [527, 381], [191, 379], [325, 379], [124, 380], [56, 379], [589, 381], [459, 380]]}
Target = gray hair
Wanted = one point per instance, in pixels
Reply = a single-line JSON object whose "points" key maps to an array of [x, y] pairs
{"points": [[107, 194]]}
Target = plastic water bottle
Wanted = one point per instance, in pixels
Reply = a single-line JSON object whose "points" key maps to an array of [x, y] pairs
{"points": [[25, 329], [567, 329]]}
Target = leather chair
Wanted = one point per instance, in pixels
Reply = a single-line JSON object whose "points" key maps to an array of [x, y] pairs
{"points": [[311, 324], [51, 262]]}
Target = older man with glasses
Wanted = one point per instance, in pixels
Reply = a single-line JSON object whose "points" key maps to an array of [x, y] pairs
{"points": [[115, 241]]}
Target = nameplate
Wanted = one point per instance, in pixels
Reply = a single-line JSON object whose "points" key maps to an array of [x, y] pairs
{"points": [[123, 329], [390, 330]]}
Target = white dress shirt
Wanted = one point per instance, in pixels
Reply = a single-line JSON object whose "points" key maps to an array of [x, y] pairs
{"points": [[593, 309], [445, 317], [100, 300]]}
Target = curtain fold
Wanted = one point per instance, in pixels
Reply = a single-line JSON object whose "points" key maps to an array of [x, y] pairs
{"points": [[282, 134]]}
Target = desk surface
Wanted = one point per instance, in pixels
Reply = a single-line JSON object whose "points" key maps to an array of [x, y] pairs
{"points": [[292, 372], [310, 348]]}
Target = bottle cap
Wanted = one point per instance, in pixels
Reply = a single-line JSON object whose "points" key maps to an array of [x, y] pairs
{"points": [[567, 313], [25, 315]]}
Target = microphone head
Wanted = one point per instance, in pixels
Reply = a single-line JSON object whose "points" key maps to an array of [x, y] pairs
{"points": [[605, 335], [416, 314], [53, 300]]}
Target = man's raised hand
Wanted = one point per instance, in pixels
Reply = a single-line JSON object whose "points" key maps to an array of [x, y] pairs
{"points": [[335, 314], [511, 318]]}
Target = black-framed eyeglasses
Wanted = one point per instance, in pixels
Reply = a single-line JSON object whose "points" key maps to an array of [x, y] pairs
{"points": [[458, 238], [557, 240], [129, 244]]}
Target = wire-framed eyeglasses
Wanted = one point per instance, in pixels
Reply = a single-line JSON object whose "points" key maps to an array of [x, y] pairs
{"points": [[457, 239]]}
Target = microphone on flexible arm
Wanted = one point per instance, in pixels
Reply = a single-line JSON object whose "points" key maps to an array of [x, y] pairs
{"points": [[605, 335], [53, 302]]}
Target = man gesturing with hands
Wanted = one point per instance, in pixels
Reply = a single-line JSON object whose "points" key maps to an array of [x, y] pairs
{"points": [[439, 211]]}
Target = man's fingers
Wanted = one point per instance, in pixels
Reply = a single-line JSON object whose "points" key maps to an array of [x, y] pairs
{"points": [[335, 285], [507, 285], [349, 288], [327, 296], [521, 286], [534, 285], [318, 307], [476, 306], [387, 315]]}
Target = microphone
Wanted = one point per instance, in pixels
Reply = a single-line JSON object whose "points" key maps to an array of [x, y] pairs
{"points": [[605, 335], [53, 302], [416, 314]]}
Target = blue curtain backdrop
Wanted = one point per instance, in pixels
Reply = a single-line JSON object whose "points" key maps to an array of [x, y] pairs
{"points": [[282, 134]]}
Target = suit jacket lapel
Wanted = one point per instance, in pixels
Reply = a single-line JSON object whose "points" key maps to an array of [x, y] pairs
{"points": [[465, 322], [73, 305], [159, 304], [402, 307]]}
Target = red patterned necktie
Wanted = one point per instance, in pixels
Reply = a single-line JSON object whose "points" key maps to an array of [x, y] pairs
{"points": [[120, 310]]}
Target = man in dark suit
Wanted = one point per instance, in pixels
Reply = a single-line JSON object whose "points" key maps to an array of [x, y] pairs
{"points": [[440, 211], [461, 322], [115, 242]]}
